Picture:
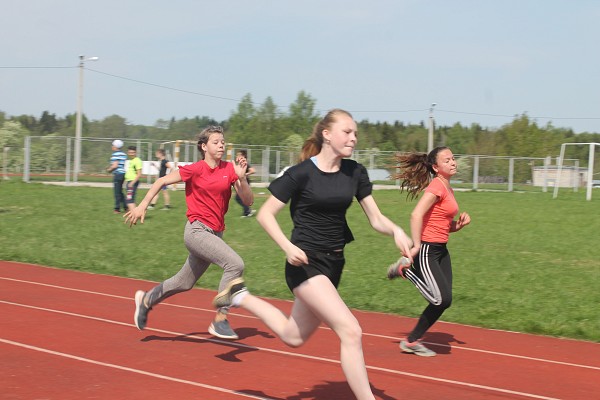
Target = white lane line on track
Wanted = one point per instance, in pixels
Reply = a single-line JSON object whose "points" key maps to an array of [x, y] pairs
{"points": [[286, 353], [133, 370], [454, 347]]}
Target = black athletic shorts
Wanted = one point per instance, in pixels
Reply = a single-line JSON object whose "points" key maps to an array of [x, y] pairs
{"points": [[328, 263]]}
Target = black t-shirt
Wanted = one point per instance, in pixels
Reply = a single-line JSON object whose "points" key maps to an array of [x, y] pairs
{"points": [[319, 201], [163, 168]]}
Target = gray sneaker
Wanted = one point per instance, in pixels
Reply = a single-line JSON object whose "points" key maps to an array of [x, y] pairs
{"points": [[223, 299], [395, 270], [416, 348], [221, 329], [140, 317]]}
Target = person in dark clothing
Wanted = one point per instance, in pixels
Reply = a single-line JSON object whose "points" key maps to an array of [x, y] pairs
{"points": [[243, 154], [163, 165], [320, 189], [117, 167]]}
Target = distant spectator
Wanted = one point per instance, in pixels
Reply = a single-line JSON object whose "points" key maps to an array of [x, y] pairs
{"points": [[117, 167], [163, 164], [243, 155], [132, 176]]}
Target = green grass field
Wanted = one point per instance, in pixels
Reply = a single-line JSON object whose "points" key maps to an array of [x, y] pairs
{"points": [[526, 263]]}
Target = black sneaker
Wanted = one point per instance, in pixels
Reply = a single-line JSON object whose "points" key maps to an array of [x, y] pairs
{"points": [[221, 329], [234, 287], [140, 317]]}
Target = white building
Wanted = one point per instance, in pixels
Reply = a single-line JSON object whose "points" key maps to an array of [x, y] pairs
{"points": [[569, 176]]}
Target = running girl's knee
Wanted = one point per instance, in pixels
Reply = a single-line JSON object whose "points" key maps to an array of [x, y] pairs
{"points": [[234, 266], [446, 302], [350, 334]]}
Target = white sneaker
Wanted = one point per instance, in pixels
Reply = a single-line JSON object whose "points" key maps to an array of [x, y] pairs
{"points": [[416, 348], [222, 329]]}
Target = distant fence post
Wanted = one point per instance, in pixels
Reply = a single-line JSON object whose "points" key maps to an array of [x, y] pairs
{"points": [[547, 162], [5, 163], [26, 154], [475, 172], [278, 161], [68, 162], [265, 164], [511, 172], [590, 177], [575, 177]]}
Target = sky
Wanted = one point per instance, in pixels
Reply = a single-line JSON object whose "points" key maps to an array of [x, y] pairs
{"points": [[479, 61]]}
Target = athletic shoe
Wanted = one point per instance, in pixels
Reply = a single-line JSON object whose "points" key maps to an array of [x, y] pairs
{"points": [[250, 214], [150, 207], [221, 329], [167, 207], [224, 298], [395, 270], [416, 348], [140, 317]]}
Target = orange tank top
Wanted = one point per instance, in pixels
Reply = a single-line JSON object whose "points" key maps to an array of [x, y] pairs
{"points": [[437, 221]]}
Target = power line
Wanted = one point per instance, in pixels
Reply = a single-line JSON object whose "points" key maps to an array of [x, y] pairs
{"points": [[511, 116], [322, 110], [279, 107], [25, 67], [165, 87]]}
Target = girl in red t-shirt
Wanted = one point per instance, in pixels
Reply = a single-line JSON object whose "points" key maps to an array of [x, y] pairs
{"points": [[207, 192], [431, 222]]}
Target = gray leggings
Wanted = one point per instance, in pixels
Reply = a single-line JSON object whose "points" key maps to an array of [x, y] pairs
{"points": [[205, 247]]}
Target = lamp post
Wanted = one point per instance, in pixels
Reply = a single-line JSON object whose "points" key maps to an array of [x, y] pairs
{"points": [[78, 121], [430, 135]]}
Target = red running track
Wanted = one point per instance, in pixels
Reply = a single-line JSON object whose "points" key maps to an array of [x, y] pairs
{"points": [[70, 335]]}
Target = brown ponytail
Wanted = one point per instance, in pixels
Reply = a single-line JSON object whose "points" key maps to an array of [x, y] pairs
{"points": [[416, 171]]}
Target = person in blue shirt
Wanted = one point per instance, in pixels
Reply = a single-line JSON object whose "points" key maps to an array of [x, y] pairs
{"points": [[117, 167]]}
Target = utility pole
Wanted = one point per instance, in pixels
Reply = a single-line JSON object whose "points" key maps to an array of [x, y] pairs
{"points": [[431, 123], [78, 120]]}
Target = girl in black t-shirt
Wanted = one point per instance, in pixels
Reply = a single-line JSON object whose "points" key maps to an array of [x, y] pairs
{"points": [[320, 189]]}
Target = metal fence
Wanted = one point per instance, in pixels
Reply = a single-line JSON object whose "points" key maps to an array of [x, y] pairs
{"points": [[51, 158]]}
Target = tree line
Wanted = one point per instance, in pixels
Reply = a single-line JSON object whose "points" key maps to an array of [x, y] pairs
{"points": [[265, 124]]}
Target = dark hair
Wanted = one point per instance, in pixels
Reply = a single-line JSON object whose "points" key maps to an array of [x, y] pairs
{"points": [[312, 146], [161, 151], [205, 135], [132, 148], [416, 170], [243, 152]]}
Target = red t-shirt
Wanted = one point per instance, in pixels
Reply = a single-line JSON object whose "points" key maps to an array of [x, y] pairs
{"points": [[207, 192], [437, 221]]}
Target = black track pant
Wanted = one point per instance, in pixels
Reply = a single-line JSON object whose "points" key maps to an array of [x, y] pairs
{"points": [[431, 273]]}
